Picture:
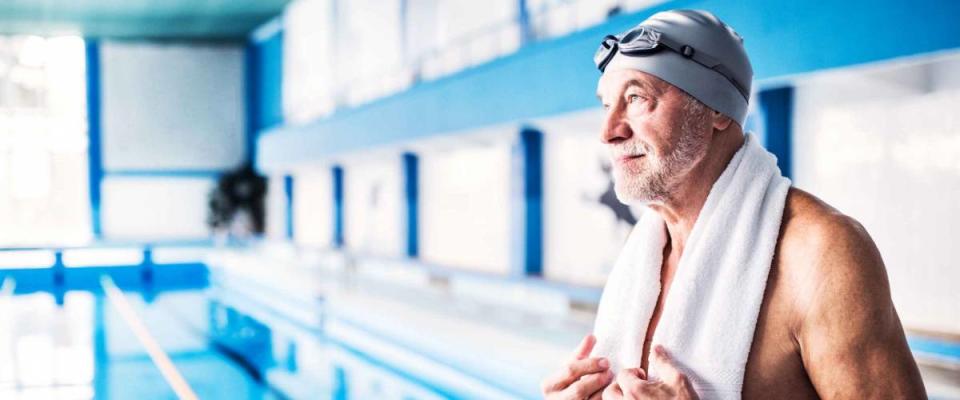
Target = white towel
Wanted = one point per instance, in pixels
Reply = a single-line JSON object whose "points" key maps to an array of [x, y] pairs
{"points": [[711, 311]]}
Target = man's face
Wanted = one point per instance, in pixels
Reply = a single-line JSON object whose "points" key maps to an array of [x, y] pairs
{"points": [[654, 131]]}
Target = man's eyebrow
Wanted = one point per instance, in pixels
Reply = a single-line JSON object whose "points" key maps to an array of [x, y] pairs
{"points": [[645, 86]]}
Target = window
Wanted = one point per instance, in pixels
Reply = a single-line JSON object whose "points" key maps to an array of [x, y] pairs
{"points": [[43, 142]]}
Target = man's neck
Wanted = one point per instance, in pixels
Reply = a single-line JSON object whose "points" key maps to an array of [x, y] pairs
{"points": [[681, 210]]}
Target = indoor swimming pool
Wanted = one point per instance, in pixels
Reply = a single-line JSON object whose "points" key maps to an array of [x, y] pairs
{"points": [[86, 349], [273, 322]]}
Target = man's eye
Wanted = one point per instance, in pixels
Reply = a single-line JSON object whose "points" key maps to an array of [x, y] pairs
{"points": [[606, 106], [633, 98]]}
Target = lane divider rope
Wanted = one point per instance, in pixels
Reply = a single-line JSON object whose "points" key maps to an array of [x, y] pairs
{"points": [[156, 353]]}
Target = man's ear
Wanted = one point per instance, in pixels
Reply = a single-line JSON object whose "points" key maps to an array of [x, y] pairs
{"points": [[720, 121]]}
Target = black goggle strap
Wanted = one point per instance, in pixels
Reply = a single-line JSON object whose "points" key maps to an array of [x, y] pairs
{"points": [[608, 48], [705, 60]]}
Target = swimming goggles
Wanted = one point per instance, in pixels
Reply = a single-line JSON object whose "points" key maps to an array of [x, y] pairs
{"points": [[644, 40]]}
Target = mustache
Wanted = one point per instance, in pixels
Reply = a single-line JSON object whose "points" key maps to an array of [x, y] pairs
{"points": [[631, 149]]}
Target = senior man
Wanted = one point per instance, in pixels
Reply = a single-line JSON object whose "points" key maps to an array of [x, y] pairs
{"points": [[737, 283]]}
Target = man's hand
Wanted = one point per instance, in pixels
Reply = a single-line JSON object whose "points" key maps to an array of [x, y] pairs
{"points": [[632, 383], [581, 378]]}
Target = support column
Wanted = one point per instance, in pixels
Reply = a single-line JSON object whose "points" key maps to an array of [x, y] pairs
{"points": [[523, 20], [288, 204], [263, 84], [411, 188], [94, 155], [776, 108], [337, 206], [527, 203]]}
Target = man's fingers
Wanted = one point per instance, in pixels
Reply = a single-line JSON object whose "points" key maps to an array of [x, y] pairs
{"points": [[628, 379], [576, 369], [665, 366], [585, 347], [586, 366], [639, 372], [590, 384]]}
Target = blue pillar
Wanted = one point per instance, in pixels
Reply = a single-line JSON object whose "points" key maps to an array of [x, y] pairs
{"points": [[288, 200], [776, 108], [59, 277], [147, 269], [338, 206], [411, 187], [527, 203], [523, 19], [94, 155], [251, 103]]}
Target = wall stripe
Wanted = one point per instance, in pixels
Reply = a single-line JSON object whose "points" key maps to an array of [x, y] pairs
{"points": [[94, 152]]}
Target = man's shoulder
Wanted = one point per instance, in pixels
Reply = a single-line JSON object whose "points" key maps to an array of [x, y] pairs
{"points": [[812, 228], [825, 253]]}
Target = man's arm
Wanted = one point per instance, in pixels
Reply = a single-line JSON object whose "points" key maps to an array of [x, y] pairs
{"points": [[850, 336]]}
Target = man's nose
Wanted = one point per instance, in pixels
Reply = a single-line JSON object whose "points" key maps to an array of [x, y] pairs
{"points": [[615, 129]]}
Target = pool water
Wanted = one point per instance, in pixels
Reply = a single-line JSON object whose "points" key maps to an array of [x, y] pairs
{"points": [[84, 349]]}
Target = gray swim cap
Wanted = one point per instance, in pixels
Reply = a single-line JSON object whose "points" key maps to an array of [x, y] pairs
{"points": [[692, 50]]}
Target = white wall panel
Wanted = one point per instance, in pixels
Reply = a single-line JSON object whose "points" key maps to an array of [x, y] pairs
{"points": [[465, 208], [276, 208], [309, 79], [374, 210], [172, 106], [313, 207], [369, 49], [155, 208]]}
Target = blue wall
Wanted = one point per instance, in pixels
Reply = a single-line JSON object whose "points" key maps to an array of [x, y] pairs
{"points": [[558, 76]]}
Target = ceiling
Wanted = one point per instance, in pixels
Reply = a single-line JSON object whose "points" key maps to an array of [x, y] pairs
{"points": [[138, 19]]}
